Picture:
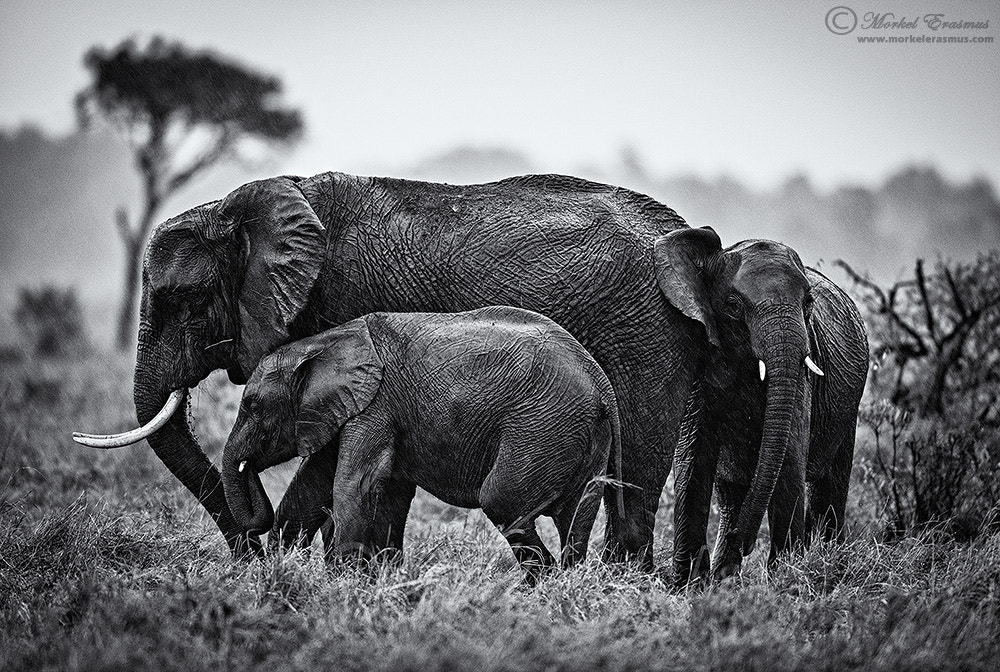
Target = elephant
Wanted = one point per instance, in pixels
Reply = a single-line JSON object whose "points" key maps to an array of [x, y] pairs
{"points": [[777, 405], [496, 408], [279, 259]]}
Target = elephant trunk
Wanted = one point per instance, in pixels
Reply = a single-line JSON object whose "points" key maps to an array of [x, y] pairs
{"points": [[245, 493], [174, 443], [778, 337]]}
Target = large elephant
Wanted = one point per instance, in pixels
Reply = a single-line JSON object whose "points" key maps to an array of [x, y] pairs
{"points": [[497, 408], [777, 405], [280, 259]]}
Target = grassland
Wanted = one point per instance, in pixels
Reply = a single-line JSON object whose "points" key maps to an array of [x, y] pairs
{"points": [[107, 563]]}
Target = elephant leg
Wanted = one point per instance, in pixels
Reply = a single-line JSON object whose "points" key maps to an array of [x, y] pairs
{"points": [[391, 510], [786, 510], [694, 476], [828, 495], [306, 504], [575, 522], [728, 554], [632, 538], [527, 546], [649, 438], [512, 497], [366, 459]]}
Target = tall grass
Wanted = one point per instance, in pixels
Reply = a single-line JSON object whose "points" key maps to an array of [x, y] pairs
{"points": [[107, 563]]}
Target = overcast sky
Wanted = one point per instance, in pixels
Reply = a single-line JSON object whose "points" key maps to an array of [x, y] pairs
{"points": [[756, 90]]}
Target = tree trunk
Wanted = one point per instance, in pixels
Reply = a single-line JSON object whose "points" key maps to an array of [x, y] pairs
{"points": [[125, 339], [133, 239]]}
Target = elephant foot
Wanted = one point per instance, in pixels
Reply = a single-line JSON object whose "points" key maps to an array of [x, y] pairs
{"points": [[642, 558], [690, 568], [729, 557], [727, 570]]}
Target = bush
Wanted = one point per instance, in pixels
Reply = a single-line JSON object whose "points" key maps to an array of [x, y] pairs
{"points": [[928, 475], [933, 458], [51, 321]]}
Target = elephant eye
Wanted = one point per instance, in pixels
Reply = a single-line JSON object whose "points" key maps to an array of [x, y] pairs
{"points": [[734, 304], [250, 405]]}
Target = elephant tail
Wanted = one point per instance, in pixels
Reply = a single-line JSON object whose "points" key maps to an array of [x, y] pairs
{"points": [[610, 429]]}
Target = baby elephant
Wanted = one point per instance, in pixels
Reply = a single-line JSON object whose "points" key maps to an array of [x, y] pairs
{"points": [[498, 408]]}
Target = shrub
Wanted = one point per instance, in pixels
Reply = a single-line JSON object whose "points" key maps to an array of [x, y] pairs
{"points": [[928, 475], [51, 321]]}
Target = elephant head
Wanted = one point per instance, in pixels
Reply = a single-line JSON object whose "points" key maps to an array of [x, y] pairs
{"points": [[221, 286], [295, 402], [754, 301]]}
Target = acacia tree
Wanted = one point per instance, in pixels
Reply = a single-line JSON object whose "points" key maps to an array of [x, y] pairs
{"points": [[181, 112]]}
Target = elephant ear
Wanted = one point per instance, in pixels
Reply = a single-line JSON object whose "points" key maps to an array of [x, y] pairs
{"points": [[285, 245], [339, 378], [814, 323], [681, 258]]}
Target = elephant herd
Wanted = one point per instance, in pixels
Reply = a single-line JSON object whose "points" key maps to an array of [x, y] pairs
{"points": [[503, 346]]}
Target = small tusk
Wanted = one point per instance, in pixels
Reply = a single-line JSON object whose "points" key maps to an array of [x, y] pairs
{"points": [[762, 367], [812, 367], [134, 435], [225, 340], [243, 465]]}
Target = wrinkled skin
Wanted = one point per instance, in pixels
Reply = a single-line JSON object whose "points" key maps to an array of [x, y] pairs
{"points": [[496, 408], [785, 444], [281, 259]]}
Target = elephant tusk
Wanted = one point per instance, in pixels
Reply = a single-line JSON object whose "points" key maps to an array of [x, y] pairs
{"points": [[812, 367], [763, 369], [135, 435], [243, 465]]}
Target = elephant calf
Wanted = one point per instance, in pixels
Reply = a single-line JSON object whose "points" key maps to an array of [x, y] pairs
{"points": [[498, 408]]}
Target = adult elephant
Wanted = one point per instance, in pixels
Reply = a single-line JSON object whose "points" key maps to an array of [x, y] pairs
{"points": [[280, 259], [777, 405]]}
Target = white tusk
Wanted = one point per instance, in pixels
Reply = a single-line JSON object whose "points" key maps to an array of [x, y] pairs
{"points": [[243, 465], [812, 367], [762, 368], [135, 435]]}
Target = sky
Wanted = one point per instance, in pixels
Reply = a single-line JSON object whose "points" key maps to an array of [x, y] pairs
{"points": [[755, 90]]}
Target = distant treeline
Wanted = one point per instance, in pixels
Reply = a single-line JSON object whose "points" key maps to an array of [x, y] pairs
{"points": [[58, 197], [914, 213]]}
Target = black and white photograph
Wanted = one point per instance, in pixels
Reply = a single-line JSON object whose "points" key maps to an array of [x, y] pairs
{"points": [[500, 336]]}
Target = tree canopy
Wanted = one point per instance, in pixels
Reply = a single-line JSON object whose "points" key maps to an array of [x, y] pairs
{"points": [[162, 95]]}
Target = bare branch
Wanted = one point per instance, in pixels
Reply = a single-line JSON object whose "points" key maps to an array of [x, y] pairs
{"points": [[206, 159], [919, 348], [858, 279], [956, 296], [928, 310]]}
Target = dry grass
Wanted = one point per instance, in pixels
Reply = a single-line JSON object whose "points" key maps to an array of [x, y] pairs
{"points": [[105, 562]]}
